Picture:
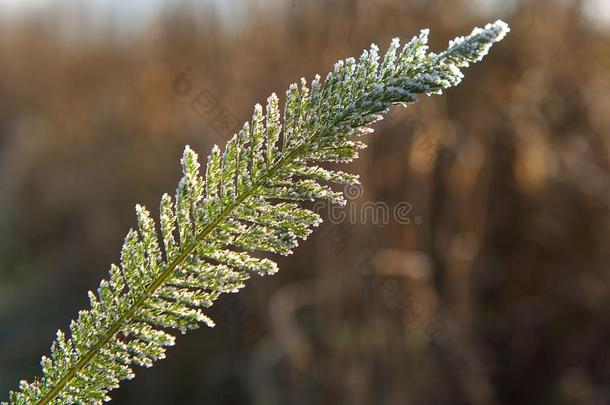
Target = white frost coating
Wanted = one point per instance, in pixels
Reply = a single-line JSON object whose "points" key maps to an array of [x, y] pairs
{"points": [[247, 200]]}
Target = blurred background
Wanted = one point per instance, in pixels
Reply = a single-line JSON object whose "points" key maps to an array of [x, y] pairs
{"points": [[491, 288]]}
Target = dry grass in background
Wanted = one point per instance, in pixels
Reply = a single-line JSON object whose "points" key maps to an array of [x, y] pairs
{"points": [[496, 292]]}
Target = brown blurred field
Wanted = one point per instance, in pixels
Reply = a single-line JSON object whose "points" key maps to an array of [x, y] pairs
{"points": [[497, 291]]}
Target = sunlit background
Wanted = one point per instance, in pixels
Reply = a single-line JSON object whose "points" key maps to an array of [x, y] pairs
{"points": [[492, 287]]}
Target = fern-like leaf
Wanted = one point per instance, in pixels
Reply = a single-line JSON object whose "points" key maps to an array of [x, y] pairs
{"points": [[250, 200]]}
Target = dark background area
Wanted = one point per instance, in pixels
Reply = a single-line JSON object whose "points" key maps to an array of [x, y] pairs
{"points": [[496, 291]]}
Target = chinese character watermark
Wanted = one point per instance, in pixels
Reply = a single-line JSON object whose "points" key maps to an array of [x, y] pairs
{"points": [[206, 105]]}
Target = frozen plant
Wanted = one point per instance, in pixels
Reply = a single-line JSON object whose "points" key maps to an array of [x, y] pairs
{"points": [[247, 200]]}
